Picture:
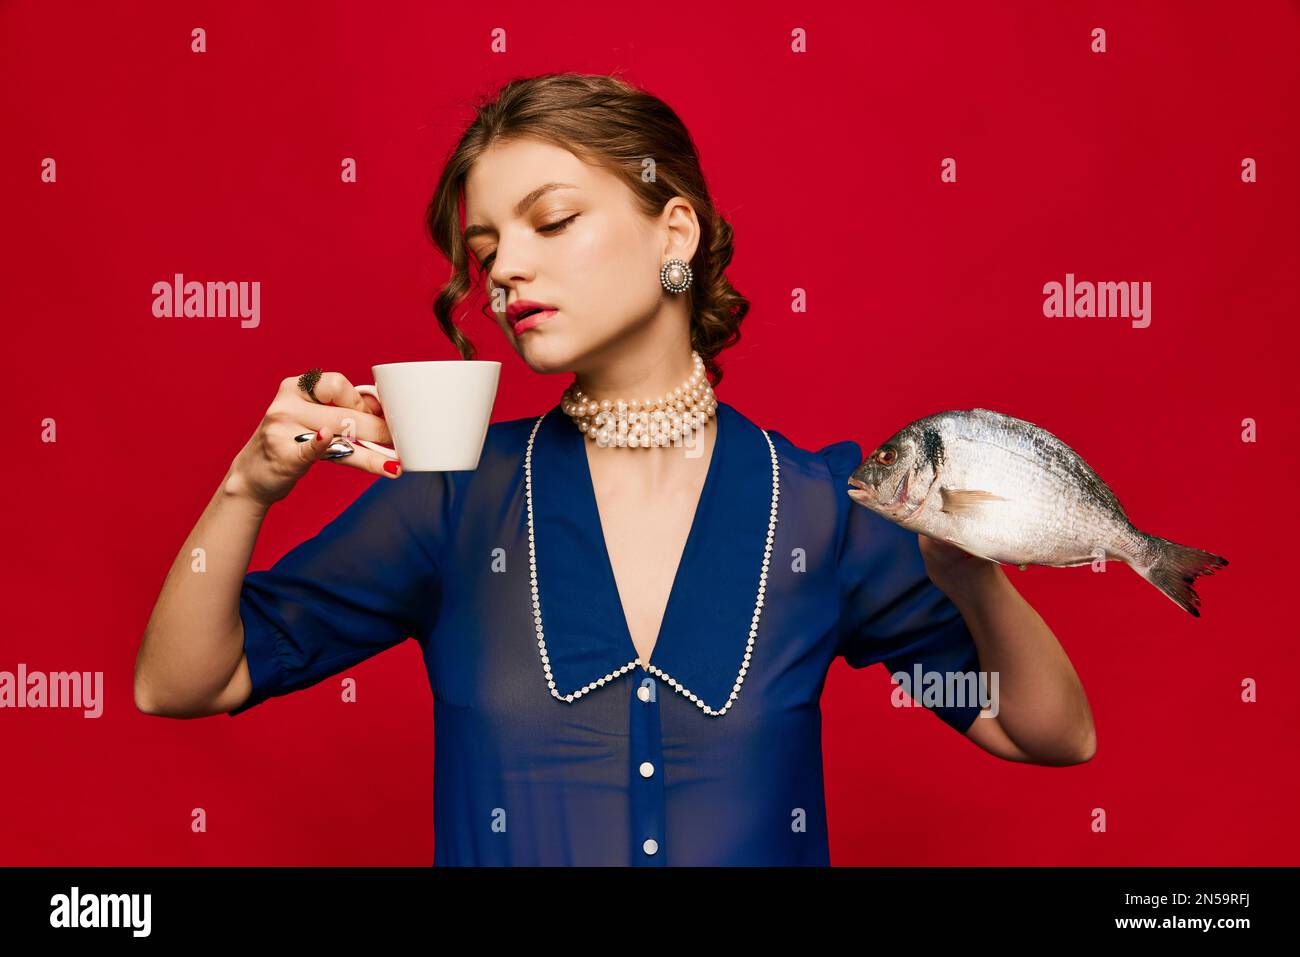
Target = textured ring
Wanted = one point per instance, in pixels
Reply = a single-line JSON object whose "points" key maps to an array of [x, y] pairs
{"points": [[307, 383]]}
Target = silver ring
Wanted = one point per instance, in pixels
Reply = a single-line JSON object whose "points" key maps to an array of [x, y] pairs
{"points": [[338, 448]]}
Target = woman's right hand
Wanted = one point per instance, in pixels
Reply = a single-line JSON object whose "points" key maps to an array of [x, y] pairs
{"points": [[271, 462]]}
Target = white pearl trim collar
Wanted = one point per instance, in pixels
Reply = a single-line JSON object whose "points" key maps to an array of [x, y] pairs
{"points": [[669, 679]]}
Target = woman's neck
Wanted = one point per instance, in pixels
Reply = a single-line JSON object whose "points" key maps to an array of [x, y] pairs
{"points": [[636, 379]]}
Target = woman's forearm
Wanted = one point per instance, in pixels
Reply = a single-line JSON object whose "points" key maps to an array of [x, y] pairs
{"points": [[193, 642], [1041, 703]]}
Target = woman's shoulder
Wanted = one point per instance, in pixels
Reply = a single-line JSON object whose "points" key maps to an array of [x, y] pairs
{"points": [[503, 449], [832, 461], [510, 433], [818, 477]]}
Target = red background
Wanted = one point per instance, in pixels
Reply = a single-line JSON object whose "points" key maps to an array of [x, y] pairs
{"points": [[922, 296]]}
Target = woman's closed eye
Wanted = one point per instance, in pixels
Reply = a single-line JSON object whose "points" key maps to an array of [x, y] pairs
{"points": [[550, 229]]}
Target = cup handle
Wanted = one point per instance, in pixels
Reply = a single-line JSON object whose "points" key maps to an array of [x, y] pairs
{"points": [[382, 450]]}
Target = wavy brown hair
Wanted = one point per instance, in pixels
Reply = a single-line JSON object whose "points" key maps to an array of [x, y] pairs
{"points": [[607, 122]]}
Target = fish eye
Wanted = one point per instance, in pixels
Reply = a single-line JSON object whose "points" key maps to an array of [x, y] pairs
{"points": [[886, 456]]}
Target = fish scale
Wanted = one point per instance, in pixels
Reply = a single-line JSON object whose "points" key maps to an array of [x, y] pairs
{"points": [[1029, 527], [1009, 491]]}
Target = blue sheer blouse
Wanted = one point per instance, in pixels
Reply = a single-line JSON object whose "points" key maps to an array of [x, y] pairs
{"points": [[701, 758]]}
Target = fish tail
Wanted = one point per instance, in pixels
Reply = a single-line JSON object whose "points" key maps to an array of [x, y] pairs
{"points": [[1176, 567]]}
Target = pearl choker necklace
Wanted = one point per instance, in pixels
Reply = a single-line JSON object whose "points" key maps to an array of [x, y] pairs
{"points": [[668, 420]]}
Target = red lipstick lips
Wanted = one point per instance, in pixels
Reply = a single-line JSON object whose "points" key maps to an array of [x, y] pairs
{"points": [[524, 314]]}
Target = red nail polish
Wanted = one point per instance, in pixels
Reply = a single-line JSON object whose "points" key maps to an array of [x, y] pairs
{"points": [[390, 467], [320, 434]]}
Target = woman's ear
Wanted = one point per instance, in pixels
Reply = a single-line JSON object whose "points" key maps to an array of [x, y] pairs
{"points": [[682, 229]]}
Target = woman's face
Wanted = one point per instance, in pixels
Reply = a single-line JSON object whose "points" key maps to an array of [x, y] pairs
{"points": [[550, 229]]}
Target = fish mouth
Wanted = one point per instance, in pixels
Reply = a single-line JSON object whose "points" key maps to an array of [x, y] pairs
{"points": [[860, 492], [897, 508]]}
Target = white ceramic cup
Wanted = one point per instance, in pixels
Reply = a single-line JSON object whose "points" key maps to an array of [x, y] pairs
{"points": [[437, 412]]}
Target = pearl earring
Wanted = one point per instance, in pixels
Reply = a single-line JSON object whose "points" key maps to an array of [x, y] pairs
{"points": [[676, 275]]}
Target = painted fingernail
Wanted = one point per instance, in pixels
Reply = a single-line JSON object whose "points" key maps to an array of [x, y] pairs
{"points": [[320, 434], [391, 467]]}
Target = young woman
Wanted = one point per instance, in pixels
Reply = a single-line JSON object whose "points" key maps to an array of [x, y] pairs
{"points": [[628, 610]]}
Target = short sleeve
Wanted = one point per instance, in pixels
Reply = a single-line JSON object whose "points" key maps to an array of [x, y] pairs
{"points": [[890, 610], [366, 582]]}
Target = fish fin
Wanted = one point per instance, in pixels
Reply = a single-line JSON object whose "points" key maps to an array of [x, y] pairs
{"points": [[966, 499], [1175, 569]]}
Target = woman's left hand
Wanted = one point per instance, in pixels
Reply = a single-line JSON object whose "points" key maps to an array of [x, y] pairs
{"points": [[956, 572]]}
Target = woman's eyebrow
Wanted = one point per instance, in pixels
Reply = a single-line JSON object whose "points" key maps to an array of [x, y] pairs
{"points": [[521, 207]]}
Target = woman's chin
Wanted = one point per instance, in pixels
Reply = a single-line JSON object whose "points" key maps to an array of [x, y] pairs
{"points": [[545, 355]]}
